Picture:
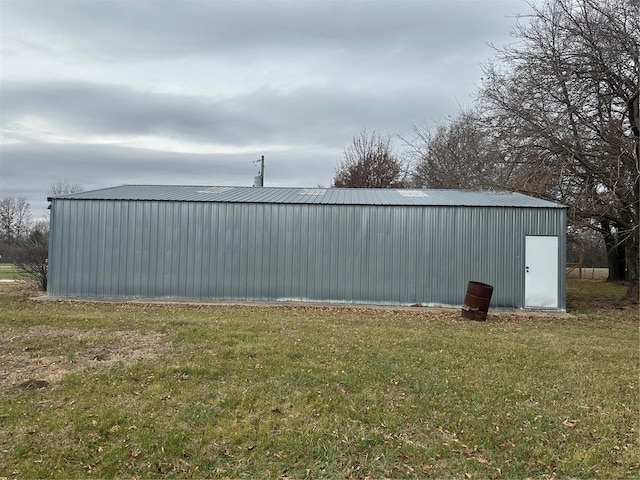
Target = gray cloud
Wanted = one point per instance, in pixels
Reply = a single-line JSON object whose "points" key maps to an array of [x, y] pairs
{"points": [[309, 115], [144, 29], [293, 80]]}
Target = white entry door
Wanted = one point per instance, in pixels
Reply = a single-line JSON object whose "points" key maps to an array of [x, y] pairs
{"points": [[541, 272]]}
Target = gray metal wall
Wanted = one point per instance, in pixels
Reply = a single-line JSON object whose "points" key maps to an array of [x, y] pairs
{"points": [[347, 253]]}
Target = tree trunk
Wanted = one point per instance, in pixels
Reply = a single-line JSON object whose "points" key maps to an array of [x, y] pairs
{"points": [[633, 241], [615, 257], [633, 268]]}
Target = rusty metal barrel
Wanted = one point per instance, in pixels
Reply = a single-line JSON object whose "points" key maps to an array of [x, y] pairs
{"points": [[477, 300]]}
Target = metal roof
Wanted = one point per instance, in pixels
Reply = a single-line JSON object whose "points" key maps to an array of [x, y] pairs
{"points": [[325, 196]]}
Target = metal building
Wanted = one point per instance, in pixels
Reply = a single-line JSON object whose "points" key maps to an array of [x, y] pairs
{"points": [[396, 247]]}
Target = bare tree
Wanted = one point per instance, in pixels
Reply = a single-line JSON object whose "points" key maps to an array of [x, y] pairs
{"points": [[588, 244], [31, 256], [563, 102], [369, 161], [15, 219], [460, 154], [63, 188]]}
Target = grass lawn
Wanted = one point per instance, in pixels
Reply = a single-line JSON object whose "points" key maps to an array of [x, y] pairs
{"points": [[133, 390], [8, 272]]}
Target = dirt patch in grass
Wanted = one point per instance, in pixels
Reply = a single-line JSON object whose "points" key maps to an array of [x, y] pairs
{"points": [[46, 354], [18, 287]]}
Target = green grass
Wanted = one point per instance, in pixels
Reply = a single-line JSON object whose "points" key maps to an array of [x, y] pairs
{"points": [[281, 392], [9, 272]]}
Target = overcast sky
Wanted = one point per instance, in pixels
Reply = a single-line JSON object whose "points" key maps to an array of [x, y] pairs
{"points": [[104, 93]]}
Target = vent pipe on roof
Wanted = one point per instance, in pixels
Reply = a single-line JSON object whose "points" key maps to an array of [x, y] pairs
{"points": [[258, 181]]}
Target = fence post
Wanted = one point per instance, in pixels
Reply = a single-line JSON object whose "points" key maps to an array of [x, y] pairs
{"points": [[580, 263]]}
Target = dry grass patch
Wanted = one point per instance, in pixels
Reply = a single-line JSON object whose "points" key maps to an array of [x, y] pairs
{"points": [[46, 354]]}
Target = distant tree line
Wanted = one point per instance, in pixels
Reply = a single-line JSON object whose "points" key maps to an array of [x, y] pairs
{"points": [[556, 117], [24, 242]]}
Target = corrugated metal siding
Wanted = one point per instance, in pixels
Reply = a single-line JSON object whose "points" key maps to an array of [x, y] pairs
{"points": [[255, 251]]}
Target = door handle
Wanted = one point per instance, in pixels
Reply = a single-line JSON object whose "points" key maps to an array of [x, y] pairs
{"points": [[527, 269]]}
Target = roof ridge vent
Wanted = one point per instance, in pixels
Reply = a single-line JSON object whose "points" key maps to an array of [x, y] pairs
{"points": [[215, 190], [313, 192], [412, 193]]}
